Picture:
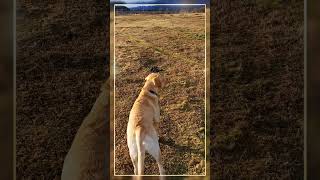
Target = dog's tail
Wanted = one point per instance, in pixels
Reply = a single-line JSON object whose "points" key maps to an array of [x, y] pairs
{"points": [[141, 150]]}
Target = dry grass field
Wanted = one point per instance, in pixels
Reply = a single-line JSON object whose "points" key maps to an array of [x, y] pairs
{"points": [[176, 44]]}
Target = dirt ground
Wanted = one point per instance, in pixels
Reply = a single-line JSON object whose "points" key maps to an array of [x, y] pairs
{"points": [[176, 44]]}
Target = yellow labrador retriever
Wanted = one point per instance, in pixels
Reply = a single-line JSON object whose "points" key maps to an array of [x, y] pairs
{"points": [[141, 133]]}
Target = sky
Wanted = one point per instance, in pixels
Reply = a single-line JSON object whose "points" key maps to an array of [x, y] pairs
{"points": [[134, 1], [163, 1], [136, 5]]}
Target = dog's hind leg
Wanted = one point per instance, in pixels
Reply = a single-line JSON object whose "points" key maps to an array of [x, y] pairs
{"points": [[134, 159], [135, 164], [160, 166], [153, 148], [141, 150], [132, 145]]}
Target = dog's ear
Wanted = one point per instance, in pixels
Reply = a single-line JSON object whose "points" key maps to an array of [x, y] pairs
{"points": [[158, 82], [156, 79], [149, 77]]}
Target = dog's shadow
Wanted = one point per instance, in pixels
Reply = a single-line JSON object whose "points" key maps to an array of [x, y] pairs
{"points": [[170, 142], [180, 167], [181, 155]]}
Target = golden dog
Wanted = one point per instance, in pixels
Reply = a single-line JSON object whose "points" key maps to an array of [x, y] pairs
{"points": [[141, 133]]}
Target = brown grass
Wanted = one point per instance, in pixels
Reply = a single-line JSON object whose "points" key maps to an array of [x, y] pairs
{"points": [[257, 90], [174, 42], [61, 65]]}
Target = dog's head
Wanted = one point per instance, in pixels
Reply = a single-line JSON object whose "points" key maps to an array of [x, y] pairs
{"points": [[156, 79]]}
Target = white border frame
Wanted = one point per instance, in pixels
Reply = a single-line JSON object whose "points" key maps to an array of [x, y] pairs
{"points": [[205, 88]]}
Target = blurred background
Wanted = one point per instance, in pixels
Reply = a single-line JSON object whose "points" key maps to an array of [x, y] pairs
{"points": [[62, 62], [313, 89], [6, 90]]}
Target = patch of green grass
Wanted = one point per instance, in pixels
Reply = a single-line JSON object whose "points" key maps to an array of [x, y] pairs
{"points": [[200, 36], [158, 49], [197, 36]]}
